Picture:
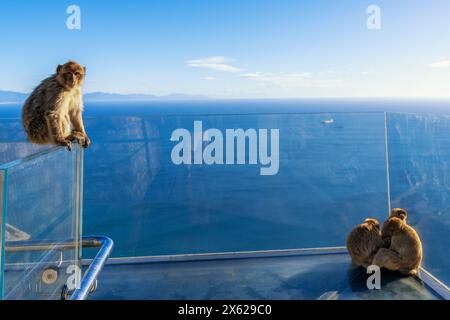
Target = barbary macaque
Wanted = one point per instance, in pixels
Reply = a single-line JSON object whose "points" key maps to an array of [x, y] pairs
{"points": [[364, 241], [405, 251], [400, 213], [53, 112]]}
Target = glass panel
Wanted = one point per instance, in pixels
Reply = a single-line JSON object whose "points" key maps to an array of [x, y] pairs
{"points": [[419, 160], [332, 175], [2, 227], [42, 223], [13, 143]]}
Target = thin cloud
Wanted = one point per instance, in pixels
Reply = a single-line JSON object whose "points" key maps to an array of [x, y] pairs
{"points": [[441, 64], [289, 80], [218, 63]]}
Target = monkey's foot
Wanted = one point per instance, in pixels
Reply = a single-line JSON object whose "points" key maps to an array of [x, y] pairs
{"points": [[409, 272], [80, 138], [388, 259], [67, 143]]}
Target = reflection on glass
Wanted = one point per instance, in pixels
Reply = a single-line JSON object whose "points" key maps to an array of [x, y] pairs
{"points": [[419, 161], [41, 217], [332, 175]]}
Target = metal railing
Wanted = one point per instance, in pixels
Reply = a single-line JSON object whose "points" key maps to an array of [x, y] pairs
{"points": [[89, 278]]}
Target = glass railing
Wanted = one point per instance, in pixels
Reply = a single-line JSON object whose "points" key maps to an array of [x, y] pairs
{"points": [[333, 171], [331, 175], [41, 212], [419, 165]]}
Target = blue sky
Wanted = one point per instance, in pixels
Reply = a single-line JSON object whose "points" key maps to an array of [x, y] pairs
{"points": [[233, 48]]}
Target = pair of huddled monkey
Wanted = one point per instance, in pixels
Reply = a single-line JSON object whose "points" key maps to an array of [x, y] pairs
{"points": [[396, 247], [53, 112]]}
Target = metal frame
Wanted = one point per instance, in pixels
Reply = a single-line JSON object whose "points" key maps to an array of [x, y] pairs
{"points": [[89, 278], [227, 255], [87, 242], [434, 283]]}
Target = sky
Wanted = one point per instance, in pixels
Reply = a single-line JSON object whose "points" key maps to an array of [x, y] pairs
{"points": [[233, 48]]}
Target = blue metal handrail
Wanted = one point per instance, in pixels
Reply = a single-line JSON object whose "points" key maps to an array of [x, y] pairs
{"points": [[88, 281], [94, 268]]}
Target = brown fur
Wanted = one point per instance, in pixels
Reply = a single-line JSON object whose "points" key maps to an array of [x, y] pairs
{"points": [[364, 241], [53, 112], [400, 213], [405, 251]]}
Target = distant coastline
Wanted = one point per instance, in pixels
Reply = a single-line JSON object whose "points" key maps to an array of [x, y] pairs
{"points": [[11, 97]]}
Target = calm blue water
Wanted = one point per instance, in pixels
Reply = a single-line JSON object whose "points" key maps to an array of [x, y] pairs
{"points": [[252, 106], [331, 176]]}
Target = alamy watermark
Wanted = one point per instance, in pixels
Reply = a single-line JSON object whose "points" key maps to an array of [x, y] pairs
{"points": [[74, 279], [230, 149], [374, 20], [73, 21], [374, 281]]}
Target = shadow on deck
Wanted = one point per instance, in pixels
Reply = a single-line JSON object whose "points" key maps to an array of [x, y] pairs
{"points": [[293, 277]]}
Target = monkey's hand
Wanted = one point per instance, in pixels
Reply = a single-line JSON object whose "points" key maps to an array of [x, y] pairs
{"points": [[87, 141], [65, 142], [386, 242]]}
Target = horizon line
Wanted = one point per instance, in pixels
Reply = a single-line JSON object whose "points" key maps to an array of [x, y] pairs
{"points": [[219, 97]]}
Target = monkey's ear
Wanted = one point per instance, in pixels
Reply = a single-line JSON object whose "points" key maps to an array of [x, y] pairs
{"points": [[58, 68], [84, 68]]}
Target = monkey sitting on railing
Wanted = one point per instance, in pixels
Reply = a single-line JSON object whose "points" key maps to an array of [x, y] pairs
{"points": [[53, 112]]}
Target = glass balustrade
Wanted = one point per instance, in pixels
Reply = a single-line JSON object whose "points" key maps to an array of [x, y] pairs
{"points": [[419, 165], [41, 213], [156, 196], [331, 176]]}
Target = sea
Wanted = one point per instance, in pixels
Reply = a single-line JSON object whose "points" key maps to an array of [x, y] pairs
{"points": [[340, 161]]}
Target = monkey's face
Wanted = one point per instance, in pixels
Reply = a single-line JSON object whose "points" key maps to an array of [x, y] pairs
{"points": [[70, 75], [391, 226], [399, 213]]}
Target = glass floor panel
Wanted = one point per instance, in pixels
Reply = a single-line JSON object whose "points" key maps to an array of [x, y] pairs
{"points": [[289, 277]]}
